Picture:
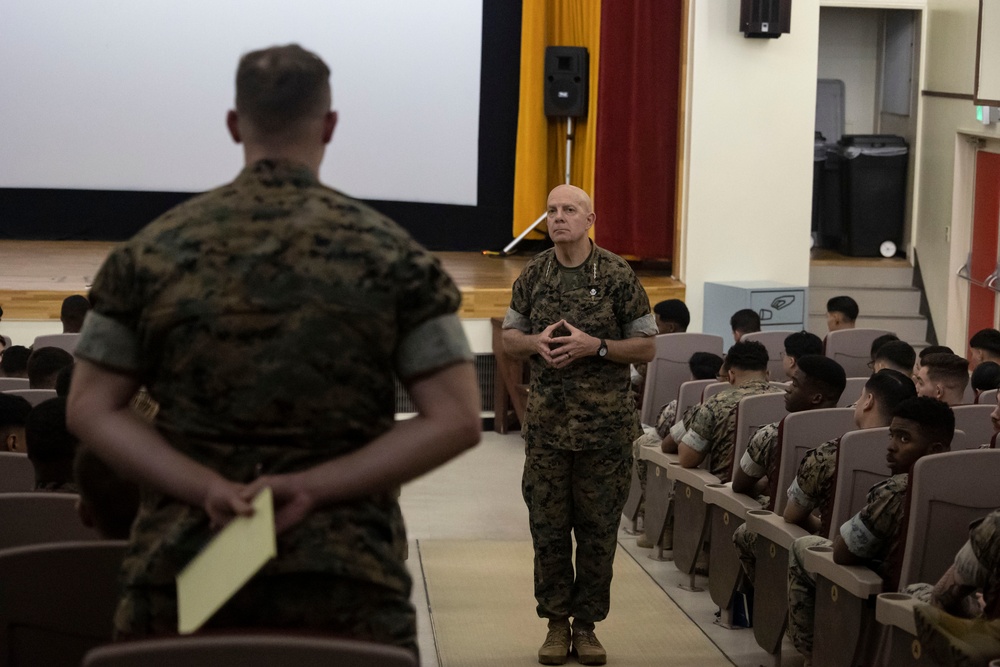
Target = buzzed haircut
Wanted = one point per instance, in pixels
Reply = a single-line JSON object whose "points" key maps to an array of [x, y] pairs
{"points": [[844, 305], [74, 310], [898, 353], [46, 434], [948, 369], [747, 356], [935, 418], [705, 365], [986, 376], [934, 349], [113, 500], [801, 343], [673, 310], [824, 374], [13, 411], [890, 388], [15, 360], [279, 87], [44, 365], [880, 341], [986, 339], [745, 321]]}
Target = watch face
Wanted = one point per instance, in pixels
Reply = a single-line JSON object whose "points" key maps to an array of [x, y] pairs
{"points": [[603, 349]]}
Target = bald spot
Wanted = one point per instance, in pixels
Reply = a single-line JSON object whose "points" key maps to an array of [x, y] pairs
{"points": [[579, 196]]}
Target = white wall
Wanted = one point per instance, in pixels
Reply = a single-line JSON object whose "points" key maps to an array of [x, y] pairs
{"points": [[848, 50], [747, 172]]}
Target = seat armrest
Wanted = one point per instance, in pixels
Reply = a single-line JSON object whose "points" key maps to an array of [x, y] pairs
{"points": [[775, 528], [656, 456], [896, 609], [737, 504], [857, 580], [696, 478]]}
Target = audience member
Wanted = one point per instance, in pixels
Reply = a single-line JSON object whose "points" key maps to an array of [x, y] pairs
{"points": [[63, 380], [13, 415], [74, 310], [897, 355], [743, 322], [880, 341], [841, 313], [985, 377], [51, 447], [14, 363], [811, 494], [943, 376], [108, 502], [985, 346], [711, 428], [930, 349], [44, 365], [798, 345], [920, 426], [672, 316]]}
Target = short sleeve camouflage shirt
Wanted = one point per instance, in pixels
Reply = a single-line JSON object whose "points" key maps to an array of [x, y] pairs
{"points": [[267, 318], [813, 484], [873, 532], [588, 404], [759, 459]]}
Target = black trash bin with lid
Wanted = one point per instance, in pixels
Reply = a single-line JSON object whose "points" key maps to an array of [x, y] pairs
{"points": [[873, 193]]}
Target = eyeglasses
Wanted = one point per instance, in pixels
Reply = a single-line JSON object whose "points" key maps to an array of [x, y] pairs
{"points": [[871, 365]]}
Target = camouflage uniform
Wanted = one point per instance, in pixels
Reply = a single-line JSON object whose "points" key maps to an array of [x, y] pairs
{"points": [[578, 428], [57, 487], [813, 486], [873, 534], [712, 426], [267, 318], [758, 461]]}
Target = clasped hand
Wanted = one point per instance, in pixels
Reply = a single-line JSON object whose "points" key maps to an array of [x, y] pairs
{"points": [[225, 500], [560, 349]]}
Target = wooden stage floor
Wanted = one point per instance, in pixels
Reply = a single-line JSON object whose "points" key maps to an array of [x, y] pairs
{"points": [[35, 276]]}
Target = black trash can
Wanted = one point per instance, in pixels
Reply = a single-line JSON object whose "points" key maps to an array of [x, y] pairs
{"points": [[831, 218], [819, 157], [873, 171]]}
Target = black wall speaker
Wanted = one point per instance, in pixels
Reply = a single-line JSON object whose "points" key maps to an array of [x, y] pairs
{"points": [[566, 73], [765, 18]]}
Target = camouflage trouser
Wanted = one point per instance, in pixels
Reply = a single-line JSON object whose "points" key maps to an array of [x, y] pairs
{"points": [[745, 541], [304, 602], [802, 594], [583, 493]]}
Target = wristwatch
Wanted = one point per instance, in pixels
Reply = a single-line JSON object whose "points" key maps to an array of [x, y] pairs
{"points": [[602, 351]]}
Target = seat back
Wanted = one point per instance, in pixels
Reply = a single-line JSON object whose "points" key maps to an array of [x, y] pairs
{"points": [[988, 397], [713, 389], [669, 368], [6, 341], [7, 384], [803, 431], [752, 412], [249, 650], [969, 397], [33, 396], [852, 349], [975, 421], [852, 391], [58, 600], [66, 341], [774, 341], [947, 492], [40, 517], [861, 465], [17, 474], [690, 394]]}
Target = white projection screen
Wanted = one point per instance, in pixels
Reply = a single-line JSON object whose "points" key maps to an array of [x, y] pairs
{"points": [[132, 95]]}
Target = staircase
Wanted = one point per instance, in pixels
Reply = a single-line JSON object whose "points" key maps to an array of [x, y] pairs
{"points": [[885, 295]]}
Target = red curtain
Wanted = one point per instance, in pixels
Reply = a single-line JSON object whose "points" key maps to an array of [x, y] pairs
{"points": [[637, 118]]}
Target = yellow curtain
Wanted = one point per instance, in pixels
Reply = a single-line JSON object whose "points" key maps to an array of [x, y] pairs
{"points": [[540, 161]]}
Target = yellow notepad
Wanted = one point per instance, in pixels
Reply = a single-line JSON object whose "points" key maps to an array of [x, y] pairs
{"points": [[225, 564]]}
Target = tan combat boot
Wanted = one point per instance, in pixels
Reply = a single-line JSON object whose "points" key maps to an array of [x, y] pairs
{"points": [[586, 646], [555, 649]]}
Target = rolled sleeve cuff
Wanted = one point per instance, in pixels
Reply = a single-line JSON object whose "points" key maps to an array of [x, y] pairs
{"points": [[434, 344], [800, 497], [108, 342], [515, 320], [968, 570], [750, 467], [695, 441], [644, 326], [678, 430], [859, 540]]}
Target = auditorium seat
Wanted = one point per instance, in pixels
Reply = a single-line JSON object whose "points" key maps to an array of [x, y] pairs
{"points": [[852, 348], [249, 650], [852, 391], [975, 421], [33, 396], [659, 488], [669, 368], [774, 341], [714, 388], [988, 397], [16, 473], [689, 394], [861, 465], [38, 517], [8, 384], [66, 341]]}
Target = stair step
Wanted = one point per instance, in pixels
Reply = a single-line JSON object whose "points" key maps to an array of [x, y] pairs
{"points": [[911, 329], [871, 300], [860, 276]]}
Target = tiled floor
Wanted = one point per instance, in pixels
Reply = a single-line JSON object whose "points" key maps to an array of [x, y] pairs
{"points": [[478, 497]]}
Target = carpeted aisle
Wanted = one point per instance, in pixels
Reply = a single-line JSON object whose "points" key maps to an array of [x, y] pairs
{"points": [[483, 610]]}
